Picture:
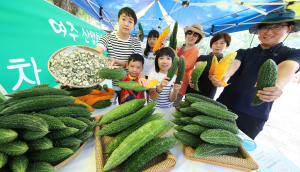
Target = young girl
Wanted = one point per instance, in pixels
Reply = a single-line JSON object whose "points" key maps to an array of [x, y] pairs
{"points": [[148, 54], [163, 92]]}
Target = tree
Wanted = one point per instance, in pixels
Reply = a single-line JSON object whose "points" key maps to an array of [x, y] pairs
{"points": [[67, 5]]}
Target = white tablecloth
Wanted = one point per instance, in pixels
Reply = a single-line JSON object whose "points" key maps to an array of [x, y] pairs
{"points": [[85, 160]]}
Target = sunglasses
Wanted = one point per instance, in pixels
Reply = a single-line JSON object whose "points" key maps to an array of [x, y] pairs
{"points": [[189, 32]]}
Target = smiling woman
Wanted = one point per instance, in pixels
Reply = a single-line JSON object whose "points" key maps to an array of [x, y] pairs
{"points": [[219, 42]]}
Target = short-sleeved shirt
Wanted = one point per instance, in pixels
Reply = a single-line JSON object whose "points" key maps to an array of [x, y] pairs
{"points": [[127, 95], [206, 88], [149, 65], [239, 93], [119, 49], [163, 98]]}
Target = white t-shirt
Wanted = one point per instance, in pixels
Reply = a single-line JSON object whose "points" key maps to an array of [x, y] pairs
{"points": [[149, 65], [119, 49], [163, 98]]}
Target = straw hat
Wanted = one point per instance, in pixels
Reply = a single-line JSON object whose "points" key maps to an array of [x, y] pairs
{"points": [[195, 28], [278, 16]]}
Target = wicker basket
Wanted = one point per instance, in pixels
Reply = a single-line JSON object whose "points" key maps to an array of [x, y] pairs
{"points": [[161, 163], [58, 166], [82, 47], [240, 160]]}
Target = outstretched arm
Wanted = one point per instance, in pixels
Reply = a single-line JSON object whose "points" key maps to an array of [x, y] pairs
{"points": [[286, 71]]}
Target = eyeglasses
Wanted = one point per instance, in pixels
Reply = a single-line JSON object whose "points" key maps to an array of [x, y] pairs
{"points": [[274, 28], [189, 32]]}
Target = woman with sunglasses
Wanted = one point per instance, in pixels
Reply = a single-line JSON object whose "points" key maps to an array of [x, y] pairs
{"points": [[193, 36], [218, 43]]}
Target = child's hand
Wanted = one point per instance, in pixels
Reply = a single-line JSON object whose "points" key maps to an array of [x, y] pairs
{"points": [[164, 42], [190, 83], [143, 81], [164, 82], [178, 86], [138, 34], [113, 67], [111, 61]]}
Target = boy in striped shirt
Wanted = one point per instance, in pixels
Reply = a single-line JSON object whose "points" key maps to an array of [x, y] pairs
{"points": [[120, 45]]}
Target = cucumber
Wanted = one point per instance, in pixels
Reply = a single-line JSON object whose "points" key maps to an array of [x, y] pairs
{"points": [[177, 121], [206, 149], [102, 104], [83, 119], [120, 137], [173, 68], [142, 34], [219, 136], [179, 128], [84, 137], [22, 121], [19, 163], [195, 100], [58, 134], [197, 73], [53, 123], [91, 127], [68, 112], [212, 122], [122, 110], [3, 159], [113, 74], [179, 114], [7, 135], [14, 148], [190, 111], [66, 142], [194, 129], [131, 85], [40, 144], [188, 139], [50, 155], [72, 122], [123, 123], [168, 127], [147, 152], [31, 135], [181, 69], [80, 92], [186, 120], [41, 91], [38, 104], [214, 111], [134, 141], [207, 99], [40, 167], [267, 77]]}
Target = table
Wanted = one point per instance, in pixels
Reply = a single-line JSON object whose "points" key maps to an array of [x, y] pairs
{"points": [[268, 159]]}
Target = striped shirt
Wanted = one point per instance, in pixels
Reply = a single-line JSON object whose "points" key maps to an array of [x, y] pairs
{"points": [[163, 98], [119, 49]]}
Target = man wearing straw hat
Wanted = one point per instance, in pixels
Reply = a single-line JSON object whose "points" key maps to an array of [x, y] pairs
{"points": [[243, 72]]}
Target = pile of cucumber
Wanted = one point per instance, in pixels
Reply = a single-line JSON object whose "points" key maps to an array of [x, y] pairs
{"points": [[138, 135], [40, 127], [206, 125]]}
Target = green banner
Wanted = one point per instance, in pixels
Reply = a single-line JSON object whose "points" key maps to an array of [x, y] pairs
{"points": [[31, 31]]}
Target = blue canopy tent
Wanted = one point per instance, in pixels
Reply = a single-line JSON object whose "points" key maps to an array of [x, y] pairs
{"points": [[223, 15]]}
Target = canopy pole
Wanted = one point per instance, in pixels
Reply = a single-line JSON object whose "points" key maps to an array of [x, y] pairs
{"points": [[212, 30], [101, 18]]}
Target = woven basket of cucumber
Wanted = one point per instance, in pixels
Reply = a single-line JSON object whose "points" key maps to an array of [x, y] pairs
{"points": [[162, 162], [240, 160], [208, 132]]}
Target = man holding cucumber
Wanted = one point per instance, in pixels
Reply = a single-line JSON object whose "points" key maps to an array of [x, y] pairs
{"points": [[243, 72]]}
